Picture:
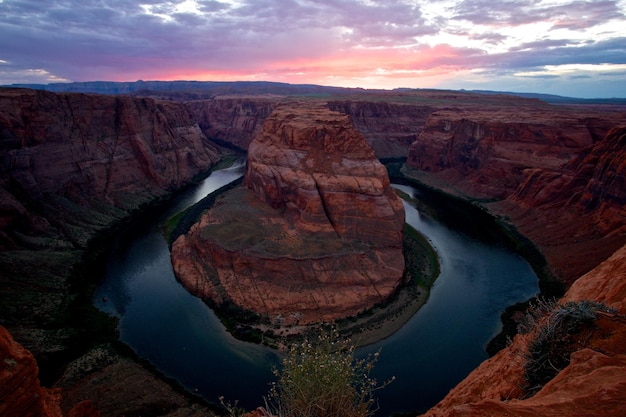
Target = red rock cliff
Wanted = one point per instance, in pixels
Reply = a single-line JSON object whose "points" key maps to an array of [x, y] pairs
{"points": [[558, 171], [594, 382], [62, 153], [20, 392], [316, 235]]}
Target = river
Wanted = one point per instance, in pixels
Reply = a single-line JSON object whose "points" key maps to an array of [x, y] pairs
{"points": [[184, 339]]}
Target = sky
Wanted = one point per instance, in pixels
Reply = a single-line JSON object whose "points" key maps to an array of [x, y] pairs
{"points": [[574, 48]]}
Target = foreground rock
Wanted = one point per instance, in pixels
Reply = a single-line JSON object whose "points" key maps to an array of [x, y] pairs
{"points": [[594, 383], [315, 235], [21, 395]]}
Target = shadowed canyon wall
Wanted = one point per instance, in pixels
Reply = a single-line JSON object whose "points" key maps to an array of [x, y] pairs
{"points": [[72, 165]]}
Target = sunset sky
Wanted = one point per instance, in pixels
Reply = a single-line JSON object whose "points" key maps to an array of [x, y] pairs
{"points": [[568, 47]]}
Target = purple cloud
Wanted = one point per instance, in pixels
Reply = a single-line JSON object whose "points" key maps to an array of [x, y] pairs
{"points": [[126, 40]]}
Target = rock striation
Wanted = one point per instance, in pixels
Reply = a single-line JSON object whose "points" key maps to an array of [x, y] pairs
{"points": [[72, 165], [63, 154], [315, 234], [560, 172]]}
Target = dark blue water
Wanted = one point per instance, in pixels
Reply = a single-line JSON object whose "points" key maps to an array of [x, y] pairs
{"points": [[436, 349]]}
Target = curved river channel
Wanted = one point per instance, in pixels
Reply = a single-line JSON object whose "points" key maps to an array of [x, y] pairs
{"points": [[430, 354]]}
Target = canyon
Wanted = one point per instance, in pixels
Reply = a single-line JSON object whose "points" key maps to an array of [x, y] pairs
{"points": [[314, 236], [74, 165]]}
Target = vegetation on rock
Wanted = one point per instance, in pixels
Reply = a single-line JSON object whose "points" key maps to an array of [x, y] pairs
{"points": [[559, 332]]}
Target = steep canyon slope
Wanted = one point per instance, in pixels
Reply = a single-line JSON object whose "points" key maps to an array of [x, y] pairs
{"points": [[540, 171], [71, 166], [315, 235]]}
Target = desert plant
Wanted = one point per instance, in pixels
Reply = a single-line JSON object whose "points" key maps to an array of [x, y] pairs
{"points": [[549, 352], [323, 378]]}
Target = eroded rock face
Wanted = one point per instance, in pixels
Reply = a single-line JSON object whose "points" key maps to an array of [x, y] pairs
{"points": [[594, 383], [315, 235], [389, 128], [65, 153], [72, 165], [559, 171], [234, 120], [484, 152]]}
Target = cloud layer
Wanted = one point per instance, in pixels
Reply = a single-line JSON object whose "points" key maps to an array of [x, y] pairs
{"points": [[568, 47]]}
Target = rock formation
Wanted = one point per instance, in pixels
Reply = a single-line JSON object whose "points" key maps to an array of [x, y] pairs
{"points": [[535, 170], [389, 128], [72, 165], [315, 235], [593, 384], [62, 154], [233, 120], [20, 392]]}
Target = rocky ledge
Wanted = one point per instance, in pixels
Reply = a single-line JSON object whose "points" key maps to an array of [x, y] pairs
{"points": [[314, 235]]}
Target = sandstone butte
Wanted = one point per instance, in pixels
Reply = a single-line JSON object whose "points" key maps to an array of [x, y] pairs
{"points": [[314, 235]]}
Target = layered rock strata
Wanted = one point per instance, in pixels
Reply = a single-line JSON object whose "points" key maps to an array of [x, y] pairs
{"points": [[65, 154], [72, 165], [315, 235], [536, 172]]}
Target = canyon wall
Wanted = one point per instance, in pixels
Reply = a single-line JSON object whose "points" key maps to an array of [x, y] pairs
{"points": [[315, 235], [529, 167], [389, 128], [594, 382], [66, 157], [232, 120], [71, 165]]}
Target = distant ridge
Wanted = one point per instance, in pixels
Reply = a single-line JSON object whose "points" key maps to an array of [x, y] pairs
{"points": [[205, 89], [201, 89], [555, 99]]}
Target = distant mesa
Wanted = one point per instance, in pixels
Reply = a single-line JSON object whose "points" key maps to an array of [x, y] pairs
{"points": [[315, 233]]}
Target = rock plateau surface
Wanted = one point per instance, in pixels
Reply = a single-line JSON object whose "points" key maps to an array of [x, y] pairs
{"points": [[315, 234]]}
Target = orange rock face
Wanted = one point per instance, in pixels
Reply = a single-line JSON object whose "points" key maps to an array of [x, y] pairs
{"points": [[539, 168], [316, 235], [593, 384], [20, 392]]}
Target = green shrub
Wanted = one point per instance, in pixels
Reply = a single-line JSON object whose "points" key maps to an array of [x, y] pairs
{"points": [[324, 379]]}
